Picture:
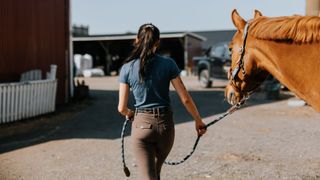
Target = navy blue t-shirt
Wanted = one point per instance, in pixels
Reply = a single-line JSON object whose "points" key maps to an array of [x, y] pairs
{"points": [[154, 90]]}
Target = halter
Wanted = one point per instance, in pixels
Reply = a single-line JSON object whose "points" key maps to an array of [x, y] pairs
{"points": [[241, 52], [240, 66], [240, 63]]}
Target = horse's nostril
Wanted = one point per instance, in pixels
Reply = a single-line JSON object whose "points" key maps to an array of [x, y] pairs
{"points": [[232, 94], [231, 97]]}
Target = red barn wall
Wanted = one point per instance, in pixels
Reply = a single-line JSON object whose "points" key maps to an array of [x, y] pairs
{"points": [[33, 35]]}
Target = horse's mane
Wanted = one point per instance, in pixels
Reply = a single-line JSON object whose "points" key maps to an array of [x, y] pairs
{"points": [[298, 29]]}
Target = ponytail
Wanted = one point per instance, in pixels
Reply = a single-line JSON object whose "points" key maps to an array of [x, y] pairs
{"points": [[147, 38]]}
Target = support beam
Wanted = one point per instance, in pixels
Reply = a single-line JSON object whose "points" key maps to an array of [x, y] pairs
{"points": [[312, 7]]}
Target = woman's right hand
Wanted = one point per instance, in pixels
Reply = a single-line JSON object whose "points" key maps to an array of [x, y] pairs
{"points": [[200, 127], [130, 115]]}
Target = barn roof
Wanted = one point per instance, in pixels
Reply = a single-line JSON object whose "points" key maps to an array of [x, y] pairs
{"points": [[110, 37]]}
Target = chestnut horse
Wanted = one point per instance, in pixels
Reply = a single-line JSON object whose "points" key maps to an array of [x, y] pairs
{"points": [[286, 47]]}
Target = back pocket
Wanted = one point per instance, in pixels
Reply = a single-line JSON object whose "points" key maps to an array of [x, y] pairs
{"points": [[143, 125]]}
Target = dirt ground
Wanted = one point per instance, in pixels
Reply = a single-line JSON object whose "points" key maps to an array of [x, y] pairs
{"points": [[266, 139]]}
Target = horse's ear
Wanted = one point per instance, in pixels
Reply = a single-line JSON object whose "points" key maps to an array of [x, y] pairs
{"points": [[237, 20], [257, 13]]}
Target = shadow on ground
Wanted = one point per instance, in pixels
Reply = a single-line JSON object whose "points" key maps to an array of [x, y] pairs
{"points": [[98, 118]]}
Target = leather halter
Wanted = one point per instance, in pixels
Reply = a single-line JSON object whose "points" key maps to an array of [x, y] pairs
{"points": [[241, 52], [240, 66], [240, 62]]}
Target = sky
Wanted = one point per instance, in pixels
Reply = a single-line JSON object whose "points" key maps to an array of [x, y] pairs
{"points": [[122, 16]]}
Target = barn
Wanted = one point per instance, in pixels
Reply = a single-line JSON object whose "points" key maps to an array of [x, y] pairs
{"points": [[109, 51], [35, 34]]}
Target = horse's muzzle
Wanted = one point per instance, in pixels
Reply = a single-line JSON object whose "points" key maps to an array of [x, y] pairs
{"points": [[232, 96]]}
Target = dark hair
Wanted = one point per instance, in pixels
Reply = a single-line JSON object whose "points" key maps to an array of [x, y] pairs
{"points": [[147, 37]]}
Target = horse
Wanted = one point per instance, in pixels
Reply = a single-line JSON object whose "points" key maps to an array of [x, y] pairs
{"points": [[287, 47]]}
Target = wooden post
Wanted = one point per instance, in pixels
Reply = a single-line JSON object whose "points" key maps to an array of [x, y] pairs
{"points": [[312, 7]]}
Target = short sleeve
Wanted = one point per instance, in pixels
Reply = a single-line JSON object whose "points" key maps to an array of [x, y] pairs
{"points": [[174, 69], [124, 74]]}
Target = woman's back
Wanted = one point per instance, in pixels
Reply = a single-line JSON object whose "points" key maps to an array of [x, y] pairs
{"points": [[153, 89]]}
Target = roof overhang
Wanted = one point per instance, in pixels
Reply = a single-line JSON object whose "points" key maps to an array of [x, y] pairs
{"points": [[131, 37]]}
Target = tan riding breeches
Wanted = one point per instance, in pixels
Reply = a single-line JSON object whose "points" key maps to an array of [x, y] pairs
{"points": [[152, 138]]}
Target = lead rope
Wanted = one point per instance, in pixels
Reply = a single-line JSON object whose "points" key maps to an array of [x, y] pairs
{"points": [[228, 112], [125, 168]]}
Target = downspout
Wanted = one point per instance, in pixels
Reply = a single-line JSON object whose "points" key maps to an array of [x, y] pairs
{"points": [[71, 83], [186, 68]]}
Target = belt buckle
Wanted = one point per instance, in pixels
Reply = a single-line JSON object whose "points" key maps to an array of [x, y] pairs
{"points": [[145, 111]]}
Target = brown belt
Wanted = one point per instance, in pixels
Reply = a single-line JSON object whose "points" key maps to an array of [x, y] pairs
{"points": [[153, 110]]}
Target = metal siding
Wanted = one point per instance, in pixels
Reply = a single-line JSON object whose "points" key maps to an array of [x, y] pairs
{"points": [[35, 34], [214, 37]]}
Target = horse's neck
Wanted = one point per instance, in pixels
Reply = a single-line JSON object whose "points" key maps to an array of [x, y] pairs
{"points": [[295, 66]]}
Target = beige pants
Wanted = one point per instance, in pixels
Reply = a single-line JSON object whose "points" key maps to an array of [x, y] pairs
{"points": [[153, 136]]}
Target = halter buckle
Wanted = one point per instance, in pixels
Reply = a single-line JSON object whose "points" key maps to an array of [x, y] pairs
{"points": [[241, 50]]}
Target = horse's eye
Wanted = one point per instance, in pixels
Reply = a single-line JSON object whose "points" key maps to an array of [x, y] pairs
{"points": [[230, 50]]}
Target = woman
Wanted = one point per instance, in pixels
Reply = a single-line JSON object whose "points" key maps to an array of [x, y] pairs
{"points": [[149, 75]]}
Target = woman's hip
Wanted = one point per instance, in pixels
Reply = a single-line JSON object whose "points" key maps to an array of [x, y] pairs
{"points": [[150, 124]]}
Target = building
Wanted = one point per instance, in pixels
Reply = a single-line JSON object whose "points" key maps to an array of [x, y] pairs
{"points": [[215, 37], [110, 51], [35, 34], [80, 30]]}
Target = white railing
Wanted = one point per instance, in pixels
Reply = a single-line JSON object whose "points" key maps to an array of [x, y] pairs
{"points": [[26, 99]]}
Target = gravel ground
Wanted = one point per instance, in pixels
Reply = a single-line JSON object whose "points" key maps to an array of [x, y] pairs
{"points": [[263, 140]]}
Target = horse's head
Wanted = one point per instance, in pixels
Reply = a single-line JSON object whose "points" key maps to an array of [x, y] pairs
{"points": [[244, 74]]}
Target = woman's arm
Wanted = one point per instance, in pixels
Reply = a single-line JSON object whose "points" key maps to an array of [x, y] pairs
{"points": [[189, 104], [123, 100]]}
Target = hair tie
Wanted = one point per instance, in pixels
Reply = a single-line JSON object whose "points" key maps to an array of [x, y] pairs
{"points": [[150, 26]]}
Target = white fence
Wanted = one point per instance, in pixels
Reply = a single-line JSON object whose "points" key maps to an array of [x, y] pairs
{"points": [[26, 99]]}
